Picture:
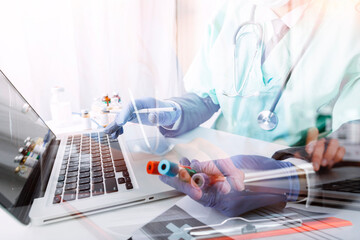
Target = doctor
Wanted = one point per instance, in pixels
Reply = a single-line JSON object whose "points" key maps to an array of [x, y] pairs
{"points": [[326, 74], [296, 55]]}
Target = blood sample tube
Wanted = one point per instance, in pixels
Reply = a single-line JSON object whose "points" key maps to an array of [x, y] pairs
{"points": [[168, 168], [184, 175], [152, 167], [202, 180]]}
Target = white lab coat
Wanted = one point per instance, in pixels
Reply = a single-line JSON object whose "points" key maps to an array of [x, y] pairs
{"points": [[327, 74]]}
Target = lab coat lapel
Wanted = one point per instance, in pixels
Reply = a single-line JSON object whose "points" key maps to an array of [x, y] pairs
{"points": [[285, 53]]}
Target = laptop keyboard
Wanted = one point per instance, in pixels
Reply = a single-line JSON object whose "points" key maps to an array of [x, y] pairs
{"points": [[349, 185], [90, 164]]}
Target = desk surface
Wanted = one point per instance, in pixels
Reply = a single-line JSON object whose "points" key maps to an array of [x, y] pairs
{"points": [[121, 223]]}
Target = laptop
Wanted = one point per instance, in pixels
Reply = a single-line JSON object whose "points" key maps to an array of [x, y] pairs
{"points": [[46, 178], [338, 188]]}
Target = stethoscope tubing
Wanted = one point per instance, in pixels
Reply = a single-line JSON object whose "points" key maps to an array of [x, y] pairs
{"points": [[272, 109]]}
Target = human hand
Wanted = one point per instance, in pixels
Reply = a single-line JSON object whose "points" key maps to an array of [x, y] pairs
{"points": [[323, 152], [229, 196], [155, 118]]}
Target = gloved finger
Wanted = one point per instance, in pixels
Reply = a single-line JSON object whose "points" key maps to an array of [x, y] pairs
{"points": [[223, 187], [127, 113], [117, 133], [162, 118], [193, 192], [223, 167], [318, 153], [340, 153], [213, 183], [330, 152], [233, 175], [111, 128], [207, 167], [184, 161]]}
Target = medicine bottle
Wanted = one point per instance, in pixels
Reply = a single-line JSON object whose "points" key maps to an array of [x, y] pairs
{"points": [[85, 118], [60, 107], [106, 100], [104, 117]]}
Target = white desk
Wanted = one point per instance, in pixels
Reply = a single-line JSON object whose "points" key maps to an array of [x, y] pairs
{"points": [[121, 223]]}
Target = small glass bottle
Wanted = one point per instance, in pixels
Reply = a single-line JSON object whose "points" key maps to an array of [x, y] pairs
{"points": [[106, 100], [85, 118], [116, 97], [104, 117], [24, 151], [30, 161], [60, 106]]}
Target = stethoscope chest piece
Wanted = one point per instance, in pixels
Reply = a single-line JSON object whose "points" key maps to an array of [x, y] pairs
{"points": [[267, 120]]}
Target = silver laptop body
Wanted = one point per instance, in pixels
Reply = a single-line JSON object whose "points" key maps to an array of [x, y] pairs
{"points": [[36, 194]]}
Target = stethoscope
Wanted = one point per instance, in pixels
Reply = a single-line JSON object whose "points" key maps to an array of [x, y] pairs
{"points": [[266, 119]]}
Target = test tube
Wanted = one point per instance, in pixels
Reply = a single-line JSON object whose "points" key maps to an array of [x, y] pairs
{"points": [[184, 175], [168, 168], [202, 180], [152, 167]]}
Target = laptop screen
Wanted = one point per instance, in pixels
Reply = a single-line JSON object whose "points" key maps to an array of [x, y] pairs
{"points": [[24, 138]]}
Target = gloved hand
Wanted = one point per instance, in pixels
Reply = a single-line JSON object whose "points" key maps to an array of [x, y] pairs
{"points": [[232, 197], [156, 118]]}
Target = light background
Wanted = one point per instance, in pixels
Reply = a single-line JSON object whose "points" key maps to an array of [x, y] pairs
{"points": [[93, 47]]}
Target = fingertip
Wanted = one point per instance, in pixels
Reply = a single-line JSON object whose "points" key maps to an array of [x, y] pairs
{"points": [[316, 166], [184, 161], [153, 118], [324, 162], [113, 135], [112, 127], [330, 164], [195, 164], [117, 133], [309, 148], [342, 152]]}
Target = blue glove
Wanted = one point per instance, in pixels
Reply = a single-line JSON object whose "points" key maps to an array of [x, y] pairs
{"points": [[127, 114], [231, 197], [195, 111]]}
